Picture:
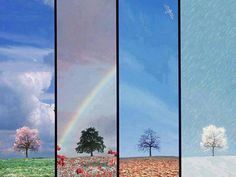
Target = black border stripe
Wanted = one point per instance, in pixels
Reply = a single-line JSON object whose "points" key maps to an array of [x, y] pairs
{"points": [[179, 85], [55, 71], [117, 88]]}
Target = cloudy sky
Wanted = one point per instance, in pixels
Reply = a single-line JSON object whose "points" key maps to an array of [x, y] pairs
{"points": [[26, 72], [148, 74], [208, 72], [86, 52]]}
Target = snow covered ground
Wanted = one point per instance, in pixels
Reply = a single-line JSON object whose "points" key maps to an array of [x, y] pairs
{"points": [[218, 166]]}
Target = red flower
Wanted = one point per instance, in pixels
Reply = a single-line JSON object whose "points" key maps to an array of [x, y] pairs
{"points": [[61, 160], [111, 162], [80, 170], [61, 157], [110, 174], [112, 152]]}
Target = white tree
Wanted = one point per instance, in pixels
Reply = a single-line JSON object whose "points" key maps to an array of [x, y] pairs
{"points": [[213, 137]]}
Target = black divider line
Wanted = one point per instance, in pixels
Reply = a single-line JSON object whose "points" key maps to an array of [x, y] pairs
{"points": [[179, 86], [117, 88], [55, 75]]}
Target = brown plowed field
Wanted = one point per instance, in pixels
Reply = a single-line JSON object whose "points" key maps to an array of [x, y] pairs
{"points": [[149, 167]]}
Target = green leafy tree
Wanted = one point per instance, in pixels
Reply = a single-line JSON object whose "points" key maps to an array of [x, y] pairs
{"points": [[90, 141]]}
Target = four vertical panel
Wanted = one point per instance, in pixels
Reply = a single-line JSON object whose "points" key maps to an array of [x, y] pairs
{"points": [[87, 89]]}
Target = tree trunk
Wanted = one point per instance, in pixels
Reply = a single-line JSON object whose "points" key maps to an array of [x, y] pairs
{"points": [[91, 153], [26, 153], [213, 151], [150, 151]]}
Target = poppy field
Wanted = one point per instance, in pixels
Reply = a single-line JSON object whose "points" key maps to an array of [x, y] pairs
{"points": [[96, 166], [39, 167], [149, 167]]}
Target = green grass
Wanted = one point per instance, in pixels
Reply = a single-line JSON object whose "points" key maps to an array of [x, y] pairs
{"points": [[36, 167]]}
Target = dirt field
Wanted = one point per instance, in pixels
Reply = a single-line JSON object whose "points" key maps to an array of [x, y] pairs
{"points": [[149, 167]]}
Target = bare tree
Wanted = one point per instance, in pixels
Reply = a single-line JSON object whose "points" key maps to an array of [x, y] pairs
{"points": [[213, 137], [148, 141]]}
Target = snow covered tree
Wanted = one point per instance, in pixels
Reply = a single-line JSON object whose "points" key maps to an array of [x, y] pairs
{"points": [[213, 138], [148, 141], [26, 139]]}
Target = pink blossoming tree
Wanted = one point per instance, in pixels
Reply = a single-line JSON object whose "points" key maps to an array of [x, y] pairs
{"points": [[27, 139]]}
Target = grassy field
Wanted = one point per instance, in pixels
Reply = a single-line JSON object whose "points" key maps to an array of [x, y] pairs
{"points": [[149, 167], [40, 167]]}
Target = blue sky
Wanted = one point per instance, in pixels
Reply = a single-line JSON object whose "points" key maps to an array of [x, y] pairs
{"points": [[148, 74], [208, 72], [26, 72]]}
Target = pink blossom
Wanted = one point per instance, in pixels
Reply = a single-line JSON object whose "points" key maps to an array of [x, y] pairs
{"points": [[26, 139]]}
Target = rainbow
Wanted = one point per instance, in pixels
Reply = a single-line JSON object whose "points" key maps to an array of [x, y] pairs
{"points": [[73, 121]]}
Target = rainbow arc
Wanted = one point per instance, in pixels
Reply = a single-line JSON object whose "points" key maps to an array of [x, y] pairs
{"points": [[82, 108]]}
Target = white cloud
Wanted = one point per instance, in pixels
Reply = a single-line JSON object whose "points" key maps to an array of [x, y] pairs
{"points": [[169, 12], [49, 3], [165, 80], [24, 53], [47, 97], [20, 102], [23, 39]]}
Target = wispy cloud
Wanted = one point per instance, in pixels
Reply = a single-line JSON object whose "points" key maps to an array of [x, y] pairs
{"points": [[22, 53], [169, 12], [164, 74], [23, 39], [150, 105], [49, 2]]}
